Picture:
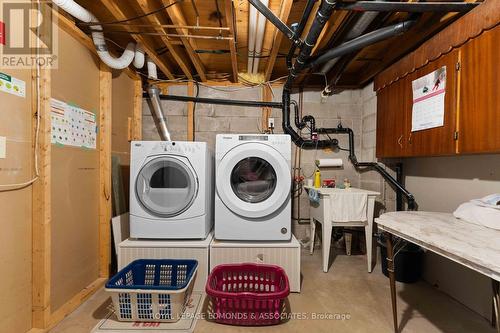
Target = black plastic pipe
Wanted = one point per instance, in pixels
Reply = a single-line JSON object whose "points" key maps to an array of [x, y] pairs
{"points": [[298, 31], [397, 184], [409, 7], [202, 100], [361, 42], [323, 14]]}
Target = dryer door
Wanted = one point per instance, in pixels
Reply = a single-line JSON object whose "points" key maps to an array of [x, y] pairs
{"points": [[253, 180], [166, 186]]}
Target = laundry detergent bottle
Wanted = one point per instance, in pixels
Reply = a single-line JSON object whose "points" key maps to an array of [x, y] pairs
{"points": [[317, 179]]}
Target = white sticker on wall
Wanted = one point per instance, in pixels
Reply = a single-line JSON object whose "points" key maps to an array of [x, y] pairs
{"points": [[11, 85], [3, 146], [72, 126]]}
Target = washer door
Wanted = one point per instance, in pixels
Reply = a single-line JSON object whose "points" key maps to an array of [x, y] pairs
{"points": [[253, 180], [166, 186]]}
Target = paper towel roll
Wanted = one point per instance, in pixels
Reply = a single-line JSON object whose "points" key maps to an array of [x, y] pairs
{"points": [[329, 162]]}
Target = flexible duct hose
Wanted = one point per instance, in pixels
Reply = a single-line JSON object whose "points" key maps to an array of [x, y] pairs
{"points": [[84, 15]]}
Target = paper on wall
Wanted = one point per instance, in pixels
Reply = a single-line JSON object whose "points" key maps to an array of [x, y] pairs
{"points": [[72, 126], [428, 100], [12, 85]]}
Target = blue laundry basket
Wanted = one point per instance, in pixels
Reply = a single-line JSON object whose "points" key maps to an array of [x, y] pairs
{"points": [[152, 290]]}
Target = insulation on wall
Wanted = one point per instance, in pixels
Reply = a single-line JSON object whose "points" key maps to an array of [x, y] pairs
{"points": [[75, 180], [15, 208]]}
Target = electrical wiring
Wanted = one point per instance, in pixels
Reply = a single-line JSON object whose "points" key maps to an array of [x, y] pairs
{"points": [[183, 80]]}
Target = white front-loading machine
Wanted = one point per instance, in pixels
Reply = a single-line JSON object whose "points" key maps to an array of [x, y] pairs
{"points": [[253, 187], [171, 190]]}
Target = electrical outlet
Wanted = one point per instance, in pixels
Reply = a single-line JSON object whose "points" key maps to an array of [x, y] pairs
{"points": [[270, 122]]}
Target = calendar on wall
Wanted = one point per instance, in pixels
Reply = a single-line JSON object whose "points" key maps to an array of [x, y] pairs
{"points": [[72, 125], [428, 100]]}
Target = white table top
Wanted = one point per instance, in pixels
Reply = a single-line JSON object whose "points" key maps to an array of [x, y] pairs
{"points": [[330, 190], [468, 244]]}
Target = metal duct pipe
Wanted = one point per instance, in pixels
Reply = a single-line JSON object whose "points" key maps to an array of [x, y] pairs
{"points": [[157, 112]]}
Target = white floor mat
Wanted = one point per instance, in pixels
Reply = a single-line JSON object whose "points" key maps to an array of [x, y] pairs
{"points": [[186, 324]]}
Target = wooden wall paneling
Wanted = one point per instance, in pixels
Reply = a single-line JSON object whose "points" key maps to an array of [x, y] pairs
{"points": [[484, 17], [439, 140], [479, 128], [137, 113], [105, 91], [392, 110]]}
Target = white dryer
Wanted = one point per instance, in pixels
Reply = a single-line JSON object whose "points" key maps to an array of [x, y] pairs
{"points": [[253, 187], [171, 190]]}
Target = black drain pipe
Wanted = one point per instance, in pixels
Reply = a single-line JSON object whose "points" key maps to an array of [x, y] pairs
{"points": [[303, 61], [298, 31], [324, 12]]}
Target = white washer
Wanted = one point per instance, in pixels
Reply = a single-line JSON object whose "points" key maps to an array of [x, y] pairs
{"points": [[171, 190], [253, 187]]}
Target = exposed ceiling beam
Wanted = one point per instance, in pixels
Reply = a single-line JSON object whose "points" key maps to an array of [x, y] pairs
{"points": [[118, 14], [154, 20], [177, 17], [229, 10], [286, 6]]}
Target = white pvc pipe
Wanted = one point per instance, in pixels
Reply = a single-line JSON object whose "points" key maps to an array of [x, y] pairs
{"points": [[84, 15], [259, 38], [252, 26], [138, 57], [152, 72]]}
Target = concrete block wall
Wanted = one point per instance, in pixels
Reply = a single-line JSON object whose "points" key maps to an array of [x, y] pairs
{"points": [[371, 180], [347, 107]]}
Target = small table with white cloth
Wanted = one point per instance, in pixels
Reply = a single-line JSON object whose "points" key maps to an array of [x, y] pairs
{"points": [[338, 207], [473, 246]]}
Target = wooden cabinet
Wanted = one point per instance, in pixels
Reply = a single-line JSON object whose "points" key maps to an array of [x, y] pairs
{"points": [[438, 140], [472, 105], [479, 108], [391, 120], [394, 116]]}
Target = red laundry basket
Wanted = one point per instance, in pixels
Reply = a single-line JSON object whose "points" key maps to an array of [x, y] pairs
{"points": [[247, 294]]}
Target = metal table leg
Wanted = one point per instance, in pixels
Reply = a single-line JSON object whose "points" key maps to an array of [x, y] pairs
{"points": [[496, 303], [392, 278]]}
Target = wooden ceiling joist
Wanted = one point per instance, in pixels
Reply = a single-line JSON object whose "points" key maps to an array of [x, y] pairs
{"points": [[118, 14], [229, 11], [177, 17], [286, 6], [154, 20]]}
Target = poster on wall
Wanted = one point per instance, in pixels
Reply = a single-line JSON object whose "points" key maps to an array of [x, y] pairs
{"points": [[428, 100], [11, 85], [72, 126]]}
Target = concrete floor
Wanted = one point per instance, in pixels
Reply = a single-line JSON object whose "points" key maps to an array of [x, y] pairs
{"points": [[346, 289]]}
